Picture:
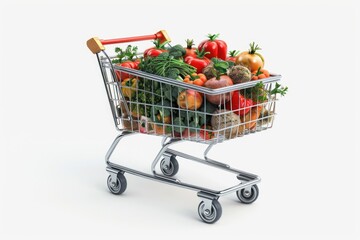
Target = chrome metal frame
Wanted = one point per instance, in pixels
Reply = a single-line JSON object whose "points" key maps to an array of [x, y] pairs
{"points": [[246, 179]]}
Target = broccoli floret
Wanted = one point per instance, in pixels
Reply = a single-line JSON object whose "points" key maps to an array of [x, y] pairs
{"points": [[177, 51], [172, 73]]}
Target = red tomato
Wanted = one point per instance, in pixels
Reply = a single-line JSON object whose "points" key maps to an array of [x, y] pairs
{"points": [[157, 50], [197, 62], [136, 63], [127, 64], [216, 48], [239, 104], [190, 52], [153, 52], [232, 56]]}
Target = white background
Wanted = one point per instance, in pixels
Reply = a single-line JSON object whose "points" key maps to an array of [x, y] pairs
{"points": [[56, 125]]}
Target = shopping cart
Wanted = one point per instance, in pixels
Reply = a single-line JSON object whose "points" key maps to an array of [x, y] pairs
{"points": [[143, 106]]}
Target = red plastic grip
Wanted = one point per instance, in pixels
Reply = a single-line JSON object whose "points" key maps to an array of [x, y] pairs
{"points": [[161, 35], [128, 39]]}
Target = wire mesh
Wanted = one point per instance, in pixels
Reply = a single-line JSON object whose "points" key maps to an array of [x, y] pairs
{"points": [[167, 107]]}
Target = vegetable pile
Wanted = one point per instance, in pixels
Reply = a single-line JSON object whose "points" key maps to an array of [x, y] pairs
{"points": [[165, 109]]}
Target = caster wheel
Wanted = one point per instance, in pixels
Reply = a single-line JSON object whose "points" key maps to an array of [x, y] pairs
{"points": [[210, 216], [120, 186], [248, 197], [171, 169]]}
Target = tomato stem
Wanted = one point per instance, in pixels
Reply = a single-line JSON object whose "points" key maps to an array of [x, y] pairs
{"points": [[159, 45], [253, 48], [258, 72], [201, 54], [233, 53], [189, 43], [212, 37]]}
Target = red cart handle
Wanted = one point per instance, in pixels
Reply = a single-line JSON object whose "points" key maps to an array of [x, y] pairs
{"points": [[96, 45]]}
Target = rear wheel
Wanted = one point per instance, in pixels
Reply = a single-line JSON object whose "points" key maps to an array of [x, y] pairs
{"points": [[246, 196], [171, 168]]}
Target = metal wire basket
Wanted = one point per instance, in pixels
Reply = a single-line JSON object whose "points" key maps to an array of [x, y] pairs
{"points": [[162, 115]]}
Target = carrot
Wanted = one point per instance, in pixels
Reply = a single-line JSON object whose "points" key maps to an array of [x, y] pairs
{"points": [[260, 74], [198, 82], [266, 72], [202, 77], [194, 78]]}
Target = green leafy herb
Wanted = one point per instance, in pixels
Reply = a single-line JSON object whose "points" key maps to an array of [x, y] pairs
{"points": [[279, 89], [220, 67], [166, 65], [258, 93], [125, 55]]}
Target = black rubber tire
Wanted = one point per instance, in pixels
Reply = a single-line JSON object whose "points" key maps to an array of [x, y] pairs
{"points": [[120, 186], [214, 215], [248, 199], [172, 170]]}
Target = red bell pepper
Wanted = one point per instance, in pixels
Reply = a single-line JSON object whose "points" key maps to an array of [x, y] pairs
{"points": [[216, 48], [198, 61], [239, 104]]}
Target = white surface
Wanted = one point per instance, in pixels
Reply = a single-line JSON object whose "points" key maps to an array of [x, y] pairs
{"points": [[56, 125]]}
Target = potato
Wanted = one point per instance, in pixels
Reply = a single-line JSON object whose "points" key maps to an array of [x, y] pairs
{"points": [[226, 123], [250, 118], [239, 74]]}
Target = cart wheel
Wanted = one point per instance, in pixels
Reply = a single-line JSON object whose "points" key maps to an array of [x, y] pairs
{"points": [[210, 216], [248, 197], [170, 170], [120, 185]]}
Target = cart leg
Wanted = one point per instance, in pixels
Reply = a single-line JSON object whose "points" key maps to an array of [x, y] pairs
{"points": [[114, 144], [211, 161], [116, 181]]}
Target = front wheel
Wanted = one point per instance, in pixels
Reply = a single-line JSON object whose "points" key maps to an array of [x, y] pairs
{"points": [[210, 215], [118, 186]]}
